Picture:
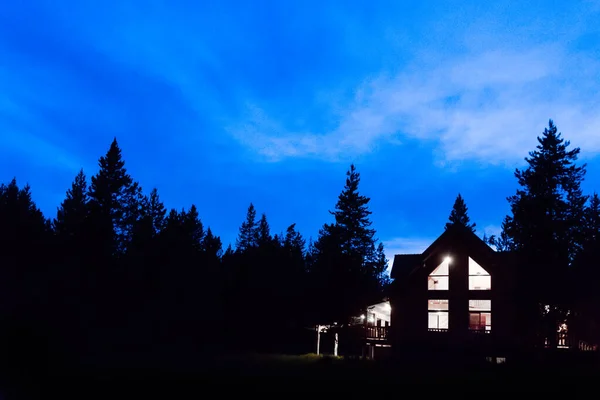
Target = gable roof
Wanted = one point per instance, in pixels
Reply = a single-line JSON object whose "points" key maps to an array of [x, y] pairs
{"points": [[405, 264], [462, 233]]}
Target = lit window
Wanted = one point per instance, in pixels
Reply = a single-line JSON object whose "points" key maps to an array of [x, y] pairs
{"points": [[438, 279], [438, 314], [479, 278], [480, 315]]}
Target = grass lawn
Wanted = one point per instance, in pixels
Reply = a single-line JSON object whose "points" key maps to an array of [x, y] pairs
{"points": [[316, 374], [280, 371]]}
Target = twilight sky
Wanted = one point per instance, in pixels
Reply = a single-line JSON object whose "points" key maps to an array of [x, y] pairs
{"points": [[220, 103]]}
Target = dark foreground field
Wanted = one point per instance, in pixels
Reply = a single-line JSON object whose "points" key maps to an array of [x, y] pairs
{"points": [[309, 374], [317, 374]]}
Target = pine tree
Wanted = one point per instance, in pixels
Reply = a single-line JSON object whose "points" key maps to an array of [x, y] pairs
{"points": [[381, 266], [293, 241], [346, 266], [503, 242], [156, 211], [575, 215], [193, 229], [592, 220], [459, 215], [293, 246], [150, 223], [248, 235], [228, 251], [114, 200], [72, 213], [588, 273], [547, 210], [544, 229], [73, 248], [212, 245], [24, 245], [26, 270], [352, 218], [116, 206], [263, 232]]}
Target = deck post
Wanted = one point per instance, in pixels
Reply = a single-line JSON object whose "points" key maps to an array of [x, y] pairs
{"points": [[318, 338], [335, 345]]}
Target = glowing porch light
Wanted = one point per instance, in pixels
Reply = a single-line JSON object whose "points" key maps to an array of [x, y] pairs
{"points": [[448, 260], [362, 316]]}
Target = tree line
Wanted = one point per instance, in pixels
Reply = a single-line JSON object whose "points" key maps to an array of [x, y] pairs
{"points": [[115, 271]]}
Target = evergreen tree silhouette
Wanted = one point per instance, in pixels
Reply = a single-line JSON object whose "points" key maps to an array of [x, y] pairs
{"points": [[503, 242], [248, 235], [228, 251], [294, 242], [586, 276], [545, 226], [459, 215], [352, 218], [116, 206], [347, 269], [114, 200], [212, 245], [263, 232], [72, 277], [156, 211], [24, 240], [592, 220], [73, 211], [26, 315]]}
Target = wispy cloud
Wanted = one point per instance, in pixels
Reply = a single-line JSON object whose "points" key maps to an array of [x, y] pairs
{"points": [[487, 106]]}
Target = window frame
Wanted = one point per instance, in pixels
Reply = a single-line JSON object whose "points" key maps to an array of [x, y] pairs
{"points": [[473, 275], [438, 312], [445, 276], [480, 311]]}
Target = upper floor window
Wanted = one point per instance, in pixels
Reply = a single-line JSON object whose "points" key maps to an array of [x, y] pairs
{"points": [[438, 279], [479, 278]]}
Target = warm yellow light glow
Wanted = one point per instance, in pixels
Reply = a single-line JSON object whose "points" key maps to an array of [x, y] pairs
{"points": [[448, 260]]}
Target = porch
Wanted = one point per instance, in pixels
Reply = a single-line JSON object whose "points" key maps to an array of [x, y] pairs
{"points": [[376, 333], [376, 322]]}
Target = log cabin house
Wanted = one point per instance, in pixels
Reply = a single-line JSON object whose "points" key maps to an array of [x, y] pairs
{"points": [[458, 296]]}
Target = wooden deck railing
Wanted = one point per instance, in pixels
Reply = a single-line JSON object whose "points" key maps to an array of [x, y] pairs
{"points": [[376, 332]]}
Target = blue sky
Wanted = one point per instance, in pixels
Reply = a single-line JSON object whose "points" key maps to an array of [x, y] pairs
{"points": [[224, 103]]}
